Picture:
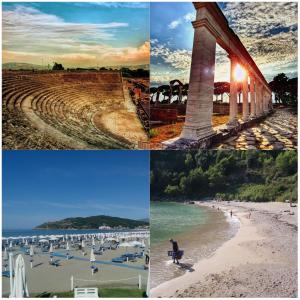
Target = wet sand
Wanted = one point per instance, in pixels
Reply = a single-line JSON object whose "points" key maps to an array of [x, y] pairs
{"points": [[198, 243], [46, 278], [259, 261]]}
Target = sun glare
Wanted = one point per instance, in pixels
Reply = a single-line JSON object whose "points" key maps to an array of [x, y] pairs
{"points": [[239, 73]]}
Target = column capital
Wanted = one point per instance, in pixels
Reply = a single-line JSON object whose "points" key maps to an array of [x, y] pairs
{"points": [[206, 23]]}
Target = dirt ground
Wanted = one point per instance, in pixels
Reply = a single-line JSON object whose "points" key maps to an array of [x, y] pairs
{"points": [[169, 131], [123, 124]]}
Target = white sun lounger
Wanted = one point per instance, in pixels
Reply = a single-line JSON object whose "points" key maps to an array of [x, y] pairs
{"points": [[86, 293]]}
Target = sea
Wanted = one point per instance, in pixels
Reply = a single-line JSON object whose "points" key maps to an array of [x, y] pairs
{"points": [[198, 230], [6, 233]]}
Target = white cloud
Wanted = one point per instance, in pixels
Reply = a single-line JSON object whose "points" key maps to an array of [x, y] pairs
{"points": [[29, 33], [267, 30], [190, 17], [186, 18], [174, 24]]}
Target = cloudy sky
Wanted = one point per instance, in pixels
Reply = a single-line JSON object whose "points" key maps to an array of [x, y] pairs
{"points": [[40, 186], [76, 34], [268, 31]]}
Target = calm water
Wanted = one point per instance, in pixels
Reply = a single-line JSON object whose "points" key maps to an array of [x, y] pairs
{"points": [[34, 232], [199, 231], [169, 219]]}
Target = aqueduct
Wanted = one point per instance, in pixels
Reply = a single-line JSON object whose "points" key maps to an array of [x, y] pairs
{"points": [[211, 27]]}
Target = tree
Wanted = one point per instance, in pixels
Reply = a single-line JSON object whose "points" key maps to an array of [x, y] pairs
{"points": [[286, 163], [57, 67], [172, 190], [279, 87], [220, 88]]}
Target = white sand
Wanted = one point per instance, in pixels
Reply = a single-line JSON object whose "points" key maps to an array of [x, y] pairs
{"points": [[259, 261], [46, 278]]}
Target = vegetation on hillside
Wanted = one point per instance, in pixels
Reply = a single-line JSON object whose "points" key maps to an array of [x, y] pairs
{"points": [[228, 175], [93, 222]]}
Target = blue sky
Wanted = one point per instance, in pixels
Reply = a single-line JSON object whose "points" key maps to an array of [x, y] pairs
{"points": [[268, 31], [41, 186], [76, 34]]}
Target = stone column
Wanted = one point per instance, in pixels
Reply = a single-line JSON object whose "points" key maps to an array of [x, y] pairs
{"points": [[245, 99], [260, 99], [252, 97], [265, 108], [233, 106], [198, 120]]}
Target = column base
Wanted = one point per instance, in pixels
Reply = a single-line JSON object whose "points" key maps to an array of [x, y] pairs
{"points": [[245, 119], [196, 133], [232, 123]]}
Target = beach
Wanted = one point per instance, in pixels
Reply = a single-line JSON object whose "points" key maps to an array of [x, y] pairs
{"points": [[45, 278], [198, 230], [260, 260]]}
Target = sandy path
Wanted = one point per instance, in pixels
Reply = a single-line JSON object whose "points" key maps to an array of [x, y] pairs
{"points": [[254, 263]]}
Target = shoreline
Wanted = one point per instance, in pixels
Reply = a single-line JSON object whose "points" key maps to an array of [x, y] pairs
{"points": [[251, 251], [199, 240]]}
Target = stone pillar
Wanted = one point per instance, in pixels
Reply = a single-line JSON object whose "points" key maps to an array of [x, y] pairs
{"points": [[265, 108], [258, 99], [252, 97], [245, 99], [233, 106], [198, 121]]}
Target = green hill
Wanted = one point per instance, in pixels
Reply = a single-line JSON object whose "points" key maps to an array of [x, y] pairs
{"points": [[229, 175], [93, 222]]}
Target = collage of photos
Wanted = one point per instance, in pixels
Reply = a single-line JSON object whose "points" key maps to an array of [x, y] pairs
{"points": [[149, 149]]}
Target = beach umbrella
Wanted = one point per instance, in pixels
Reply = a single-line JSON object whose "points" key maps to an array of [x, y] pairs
{"points": [[11, 270], [31, 253], [20, 288], [43, 241], [148, 285], [5, 256], [10, 244], [26, 243], [51, 252], [82, 244], [92, 260], [92, 257], [68, 249]]}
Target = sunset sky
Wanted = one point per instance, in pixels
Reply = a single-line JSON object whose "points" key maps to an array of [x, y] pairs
{"points": [[268, 31], [76, 34]]}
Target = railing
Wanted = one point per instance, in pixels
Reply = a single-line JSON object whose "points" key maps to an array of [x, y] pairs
{"points": [[136, 279]]}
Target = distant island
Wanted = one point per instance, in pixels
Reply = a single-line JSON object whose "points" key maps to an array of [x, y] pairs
{"points": [[95, 222]]}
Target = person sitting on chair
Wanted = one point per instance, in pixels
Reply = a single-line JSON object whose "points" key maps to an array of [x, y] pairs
{"points": [[175, 251]]}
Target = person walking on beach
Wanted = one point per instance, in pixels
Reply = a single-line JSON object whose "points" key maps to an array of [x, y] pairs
{"points": [[175, 251], [231, 213]]}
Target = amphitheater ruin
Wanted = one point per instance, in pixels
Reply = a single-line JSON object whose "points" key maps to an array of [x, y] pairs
{"points": [[211, 28], [69, 110]]}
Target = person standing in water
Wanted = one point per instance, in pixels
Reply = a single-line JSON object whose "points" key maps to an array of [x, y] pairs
{"points": [[175, 251]]}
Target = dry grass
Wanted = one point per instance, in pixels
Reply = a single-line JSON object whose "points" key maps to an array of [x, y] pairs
{"points": [[169, 131]]}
